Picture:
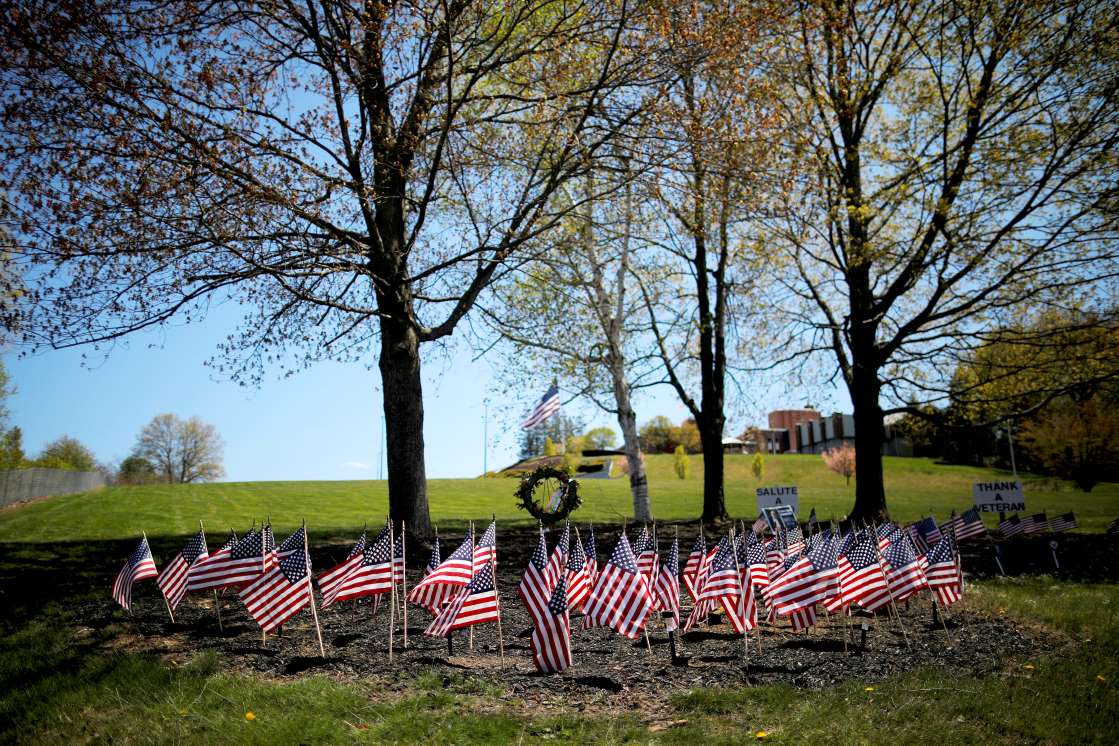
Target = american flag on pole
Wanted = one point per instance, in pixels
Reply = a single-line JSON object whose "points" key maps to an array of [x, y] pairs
{"points": [[621, 598], [1034, 524], [140, 566], [332, 578], [965, 526], [371, 577], [440, 593], [551, 637], [242, 562], [475, 604], [887, 534], [591, 552], [172, 581], [928, 529], [1065, 522], [904, 574], [812, 579], [456, 570], [558, 561], [577, 576], [723, 585], [943, 573], [1010, 526], [283, 591], [646, 554], [756, 565], [667, 587], [535, 588], [486, 550], [696, 561], [548, 405]]}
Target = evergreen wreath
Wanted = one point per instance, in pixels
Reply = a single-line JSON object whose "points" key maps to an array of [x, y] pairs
{"points": [[569, 502]]}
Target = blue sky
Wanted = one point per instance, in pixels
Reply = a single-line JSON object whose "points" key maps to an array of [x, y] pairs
{"points": [[323, 423]]}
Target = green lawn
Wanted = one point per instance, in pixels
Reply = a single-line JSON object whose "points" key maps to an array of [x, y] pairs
{"points": [[58, 682], [914, 487]]}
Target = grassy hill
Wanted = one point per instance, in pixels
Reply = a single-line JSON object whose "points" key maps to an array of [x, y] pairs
{"points": [[914, 487]]}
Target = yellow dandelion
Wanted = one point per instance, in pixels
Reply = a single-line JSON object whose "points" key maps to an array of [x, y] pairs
{"points": [[1028, 666], [760, 734], [183, 711], [250, 716], [1100, 678], [1002, 610], [868, 689]]}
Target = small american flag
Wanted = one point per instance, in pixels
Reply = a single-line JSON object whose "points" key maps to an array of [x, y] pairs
{"points": [[793, 540], [548, 405], [756, 565], [917, 538], [486, 550], [591, 552], [904, 574], [621, 598], [551, 637], [558, 561], [140, 566], [456, 570], [371, 577], [577, 577], [887, 533], [1065, 522], [943, 573], [1035, 524], [812, 579], [723, 585], [440, 593], [535, 588], [1010, 526], [928, 529], [477, 603], [232, 565], [646, 554], [329, 580], [695, 562], [668, 586], [172, 580], [283, 591], [860, 573], [968, 525]]}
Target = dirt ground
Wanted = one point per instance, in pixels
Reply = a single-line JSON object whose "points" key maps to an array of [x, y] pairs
{"points": [[610, 671]]}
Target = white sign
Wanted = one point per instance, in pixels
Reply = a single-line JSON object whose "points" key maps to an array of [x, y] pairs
{"points": [[998, 497], [771, 497]]}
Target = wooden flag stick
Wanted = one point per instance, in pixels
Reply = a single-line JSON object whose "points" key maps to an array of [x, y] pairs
{"points": [[742, 600], [311, 589], [404, 577], [263, 569], [497, 598], [392, 585], [893, 604], [470, 639]]}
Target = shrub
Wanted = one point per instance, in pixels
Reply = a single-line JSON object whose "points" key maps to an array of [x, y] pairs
{"points": [[682, 463]]}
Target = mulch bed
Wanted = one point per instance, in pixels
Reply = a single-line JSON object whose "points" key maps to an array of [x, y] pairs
{"points": [[610, 671]]}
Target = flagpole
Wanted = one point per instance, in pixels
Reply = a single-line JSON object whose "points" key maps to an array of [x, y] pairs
{"points": [[497, 598], [263, 569], [742, 600], [404, 576], [470, 641], [311, 588], [217, 601], [392, 585]]}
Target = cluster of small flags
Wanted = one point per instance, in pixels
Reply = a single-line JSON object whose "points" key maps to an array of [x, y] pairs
{"points": [[787, 572], [1035, 524]]}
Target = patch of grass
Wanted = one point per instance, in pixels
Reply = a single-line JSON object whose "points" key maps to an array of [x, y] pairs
{"points": [[1058, 700], [914, 487]]}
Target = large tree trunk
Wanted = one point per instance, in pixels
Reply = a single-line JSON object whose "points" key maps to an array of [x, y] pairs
{"points": [[404, 425], [638, 483], [714, 503], [870, 493]]}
